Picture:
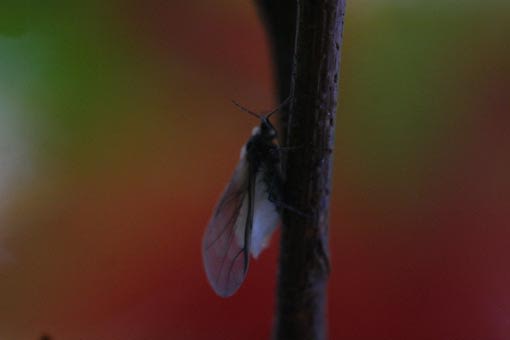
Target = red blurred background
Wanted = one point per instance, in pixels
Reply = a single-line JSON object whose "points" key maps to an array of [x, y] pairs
{"points": [[117, 136]]}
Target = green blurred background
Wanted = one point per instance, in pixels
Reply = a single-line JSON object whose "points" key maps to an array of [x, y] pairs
{"points": [[117, 135]]}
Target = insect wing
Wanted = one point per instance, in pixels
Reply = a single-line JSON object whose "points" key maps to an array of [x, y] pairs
{"points": [[265, 216], [225, 247]]}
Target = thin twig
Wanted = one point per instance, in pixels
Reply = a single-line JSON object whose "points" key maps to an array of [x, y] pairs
{"points": [[304, 262]]}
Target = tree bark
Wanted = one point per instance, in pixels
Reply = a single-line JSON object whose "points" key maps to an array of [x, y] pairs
{"points": [[312, 81]]}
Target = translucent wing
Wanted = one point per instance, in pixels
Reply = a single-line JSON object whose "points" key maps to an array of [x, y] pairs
{"points": [[226, 242], [265, 215]]}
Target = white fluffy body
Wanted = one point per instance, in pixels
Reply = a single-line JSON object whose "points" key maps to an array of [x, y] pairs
{"points": [[265, 215], [265, 218]]}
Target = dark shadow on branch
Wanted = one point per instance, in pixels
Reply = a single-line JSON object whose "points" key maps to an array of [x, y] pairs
{"points": [[279, 18]]}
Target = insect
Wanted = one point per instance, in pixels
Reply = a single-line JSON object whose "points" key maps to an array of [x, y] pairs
{"points": [[247, 212]]}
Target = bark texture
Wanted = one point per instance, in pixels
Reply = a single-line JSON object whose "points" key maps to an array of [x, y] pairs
{"points": [[313, 85]]}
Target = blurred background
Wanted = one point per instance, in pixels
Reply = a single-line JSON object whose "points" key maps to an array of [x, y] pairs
{"points": [[117, 136]]}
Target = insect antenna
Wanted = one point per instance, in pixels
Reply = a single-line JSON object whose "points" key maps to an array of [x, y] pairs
{"points": [[279, 107], [267, 115], [247, 110]]}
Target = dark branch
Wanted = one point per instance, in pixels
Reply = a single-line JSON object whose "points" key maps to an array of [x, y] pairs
{"points": [[304, 263], [279, 17]]}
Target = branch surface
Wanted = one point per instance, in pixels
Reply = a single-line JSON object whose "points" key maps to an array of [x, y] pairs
{"points": [[304, 262]]}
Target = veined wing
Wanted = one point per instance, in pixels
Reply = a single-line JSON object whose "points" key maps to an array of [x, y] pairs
{"points": [[225, 247], [265, 215]]}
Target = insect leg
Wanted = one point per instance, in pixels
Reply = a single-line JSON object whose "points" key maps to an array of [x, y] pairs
{"points": [[274, 196]]}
